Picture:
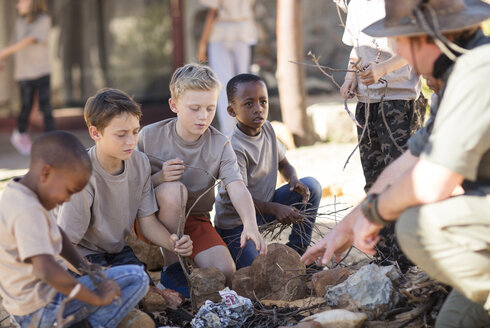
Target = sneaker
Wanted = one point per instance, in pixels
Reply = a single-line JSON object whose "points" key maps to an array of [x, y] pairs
{"points": [[173, 277], [21, 142]]}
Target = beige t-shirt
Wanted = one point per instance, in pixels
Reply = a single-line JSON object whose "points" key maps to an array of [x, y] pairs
{"points": [[26, 230], [209, 156], [33, 61], [234, 21], [98, 218], [403, 83], [258, 158]]}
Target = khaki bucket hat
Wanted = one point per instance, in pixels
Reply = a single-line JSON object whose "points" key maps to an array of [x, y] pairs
{"points": [[446, 15]]}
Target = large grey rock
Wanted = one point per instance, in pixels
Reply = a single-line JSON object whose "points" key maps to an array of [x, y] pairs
{"points": [[369, 290]]}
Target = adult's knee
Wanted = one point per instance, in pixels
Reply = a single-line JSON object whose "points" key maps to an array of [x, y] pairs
{"points": [[168, 194], [407, 231]]}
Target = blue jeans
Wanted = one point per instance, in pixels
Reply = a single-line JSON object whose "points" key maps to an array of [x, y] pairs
{"points": [[133, 282], [300, 236]]}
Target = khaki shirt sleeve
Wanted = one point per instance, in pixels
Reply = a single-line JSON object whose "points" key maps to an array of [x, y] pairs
{"points": [[32, 234], [74, 216], [40, 31], [242, 164], [461, 132], [148, 204], [229, 170]]}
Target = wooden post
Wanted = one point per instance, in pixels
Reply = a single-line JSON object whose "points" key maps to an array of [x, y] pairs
{"points": [[291, 77]]}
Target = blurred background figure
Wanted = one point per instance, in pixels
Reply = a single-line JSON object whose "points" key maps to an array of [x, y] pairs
{"points": [[32, 67], [229, 33]]}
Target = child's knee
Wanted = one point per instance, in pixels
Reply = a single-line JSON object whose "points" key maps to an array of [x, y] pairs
{"points": [[168, 193]]}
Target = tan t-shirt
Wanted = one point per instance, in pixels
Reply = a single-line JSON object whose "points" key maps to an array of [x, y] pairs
{"points": [[26, 230], [403, 83], [98, 218], [212, 152], [234, 21], [33, 61], [258, 158]]}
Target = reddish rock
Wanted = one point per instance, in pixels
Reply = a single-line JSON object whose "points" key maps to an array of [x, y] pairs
{"points": [[136, 319], [278, 275], [242, 283], [206, 284], [327, 278], [172, 298], [146, 253], [153, 301]]}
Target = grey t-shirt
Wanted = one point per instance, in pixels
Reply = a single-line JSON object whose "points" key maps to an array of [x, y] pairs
{"points": [[98, 218], [460, 140], [32, 62], [258, 158], [208, 158]]}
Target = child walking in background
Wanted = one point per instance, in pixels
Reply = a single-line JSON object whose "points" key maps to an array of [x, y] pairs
{"points": [[34, 282], [260, 158], [186, 152], [32, 67]]}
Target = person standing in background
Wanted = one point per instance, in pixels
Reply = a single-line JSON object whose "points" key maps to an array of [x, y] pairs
{"points": [[228, 34], [32, 67]]}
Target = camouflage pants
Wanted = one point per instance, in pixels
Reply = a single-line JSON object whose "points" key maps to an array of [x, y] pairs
{"points": [[377, 149]]}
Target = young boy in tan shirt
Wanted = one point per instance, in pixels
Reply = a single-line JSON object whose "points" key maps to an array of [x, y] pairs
{"points": [[260, 158], [99, 218], [186, 151], [33, 276]]}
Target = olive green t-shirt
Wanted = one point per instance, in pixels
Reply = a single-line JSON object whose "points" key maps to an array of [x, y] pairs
{"points": [[460, 140]]}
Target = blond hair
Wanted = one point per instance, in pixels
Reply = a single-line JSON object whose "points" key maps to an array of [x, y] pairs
{"points": [[193, 77]]}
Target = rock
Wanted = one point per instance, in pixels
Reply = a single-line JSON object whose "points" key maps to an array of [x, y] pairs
{"points": [[146, 253], [242, 283], [337, 319], [283, 134], [369, 290], [153, 301], [326, 278], [306, 324], [136, 319], [332, 123], [173, 298], [278, 275], [206, 284]]}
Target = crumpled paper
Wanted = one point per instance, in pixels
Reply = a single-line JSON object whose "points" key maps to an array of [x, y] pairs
{"points": [[232, 311]]}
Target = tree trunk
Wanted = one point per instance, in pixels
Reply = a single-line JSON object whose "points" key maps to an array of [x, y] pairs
{"points": [[291, 77]]}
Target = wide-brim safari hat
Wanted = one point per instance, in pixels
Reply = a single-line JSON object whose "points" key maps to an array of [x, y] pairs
{"points": [[447, 16]]}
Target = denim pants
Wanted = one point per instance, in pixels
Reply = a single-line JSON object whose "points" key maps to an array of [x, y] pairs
{"points": [[27, 90], [133, 282], [300, 236]]}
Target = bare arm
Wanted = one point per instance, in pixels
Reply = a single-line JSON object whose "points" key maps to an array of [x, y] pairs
{"points": [[349, 87], [372, 72], [156, 232], [242, 201], [208, 26], [47, 269], [10, 50], [70, 253]]}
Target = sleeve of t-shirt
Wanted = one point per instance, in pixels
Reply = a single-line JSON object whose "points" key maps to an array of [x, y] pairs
{"points": [[74, 216], [148, 204], [32, 234], [229, 170], [210, 3], [141, 140], [41, 29], [461, 133], [347, 37], [241, 159]]}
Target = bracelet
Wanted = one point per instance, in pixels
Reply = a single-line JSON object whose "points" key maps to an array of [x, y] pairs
{"points": [[369, 208]]}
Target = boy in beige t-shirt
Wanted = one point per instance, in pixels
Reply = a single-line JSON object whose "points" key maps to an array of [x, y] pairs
{"points": [[260, 158], [186, 151], [119, 191], [33, 276]]}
